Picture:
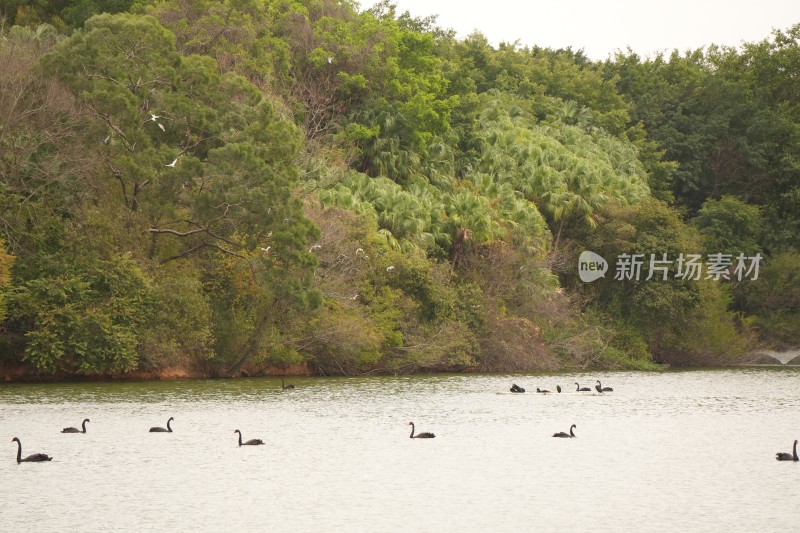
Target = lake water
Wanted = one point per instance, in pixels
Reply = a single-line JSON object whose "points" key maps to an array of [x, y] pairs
{"points": [[674, 451]]}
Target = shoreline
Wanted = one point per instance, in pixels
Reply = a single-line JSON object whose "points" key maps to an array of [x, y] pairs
{"points": [[21, 374]]}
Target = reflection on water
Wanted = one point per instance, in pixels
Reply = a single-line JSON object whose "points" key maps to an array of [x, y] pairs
{"points": [[690, 451]]}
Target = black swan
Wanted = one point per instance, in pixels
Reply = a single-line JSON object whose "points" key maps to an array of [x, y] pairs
{"points": [[582, 389], [167, 429], [569, 435], [251, 442], [284, 386], [516, 388], [425, 435], [780, 456], [76, 430], [545, 391], [33, 458], [599, 388]]}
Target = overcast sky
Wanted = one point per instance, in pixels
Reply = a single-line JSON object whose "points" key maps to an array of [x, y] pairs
{"points": [[600, 27]]}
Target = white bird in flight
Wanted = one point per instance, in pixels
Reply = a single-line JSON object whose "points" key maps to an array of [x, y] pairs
{"points": [[389, 268], [154, 117], [172, 165], [160, 125]]}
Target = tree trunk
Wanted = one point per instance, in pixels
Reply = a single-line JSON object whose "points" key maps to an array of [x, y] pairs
{"points": [[252, 345]]}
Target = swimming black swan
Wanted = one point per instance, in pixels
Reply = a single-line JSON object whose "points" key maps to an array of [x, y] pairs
{"points": [[780, 456], [34, 458], [284, 386], [251, 442], [76, 430], [569, 435], [545, 391], [425, 435], [599, 388], [168, 429], [582, 389], [516, 388]]}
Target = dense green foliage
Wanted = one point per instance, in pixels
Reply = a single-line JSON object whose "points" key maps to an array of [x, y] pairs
{"points": [[235, 185]]}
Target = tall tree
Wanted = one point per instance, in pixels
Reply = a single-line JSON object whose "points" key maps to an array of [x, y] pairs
{"points": [[200, 168]]}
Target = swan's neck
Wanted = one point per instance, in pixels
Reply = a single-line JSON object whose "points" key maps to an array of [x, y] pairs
{"points": [[571, 434], [240, 437], [794, 451], [412, 430], [169, 428], [19, 452], [84, 426]]}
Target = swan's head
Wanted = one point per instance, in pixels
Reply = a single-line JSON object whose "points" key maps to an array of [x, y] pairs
{"points": [[171, 419], [15, 439], [237, 431], [410, 424]]}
